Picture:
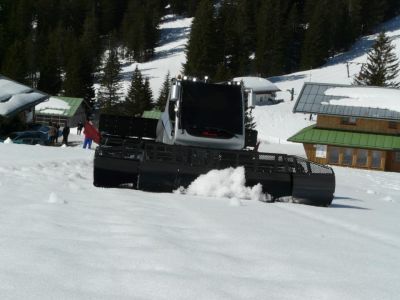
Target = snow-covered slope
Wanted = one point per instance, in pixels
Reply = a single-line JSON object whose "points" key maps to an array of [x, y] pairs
{"points": [[62, 238], [169, 55]]}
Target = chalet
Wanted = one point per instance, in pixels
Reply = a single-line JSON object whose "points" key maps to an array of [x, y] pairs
{"points": [[264, 91], [61, 110], [356, 126], [18, 99]]}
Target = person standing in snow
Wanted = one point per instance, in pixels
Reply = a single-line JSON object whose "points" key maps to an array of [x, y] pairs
{"points": [[65, 134], [52, 133], [91, 134], [57, 126], [79, 128]]}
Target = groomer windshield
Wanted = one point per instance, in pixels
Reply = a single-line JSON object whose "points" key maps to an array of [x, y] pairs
{"points": [[214, 109]]}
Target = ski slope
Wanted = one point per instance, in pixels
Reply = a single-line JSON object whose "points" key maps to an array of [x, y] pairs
{"points": [[62, 238], [169, 54]]}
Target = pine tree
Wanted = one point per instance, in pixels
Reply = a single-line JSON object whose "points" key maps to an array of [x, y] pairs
{"points": [[139, 96], [50, 69], [201, 52], [110, 90], [147, 95], [316, 45], [382, 67], [249, 121], [73, 84], [164, 93], [14, 64], [264, 38], [133, 101]]}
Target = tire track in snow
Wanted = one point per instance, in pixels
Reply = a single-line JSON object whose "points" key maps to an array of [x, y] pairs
{"points": [[389, 240]]}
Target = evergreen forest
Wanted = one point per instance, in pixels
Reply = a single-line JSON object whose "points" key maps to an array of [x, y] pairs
{"points": [[58, 46]]}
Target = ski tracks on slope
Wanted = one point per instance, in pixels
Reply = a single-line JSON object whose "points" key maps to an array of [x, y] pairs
{"points": [[317, 214]]}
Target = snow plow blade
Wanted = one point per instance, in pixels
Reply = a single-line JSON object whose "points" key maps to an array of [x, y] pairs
{"points": [[151, 166]]}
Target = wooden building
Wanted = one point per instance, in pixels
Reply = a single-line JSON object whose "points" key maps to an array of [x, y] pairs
{"points": [[356, 126], [62, 111]]}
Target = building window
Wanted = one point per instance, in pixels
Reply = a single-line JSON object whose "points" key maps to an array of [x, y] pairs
{"points": [[376, 159], [362, 157], [347, 157], [393, 125], [397, 156], [349, 121], [333, 155]]}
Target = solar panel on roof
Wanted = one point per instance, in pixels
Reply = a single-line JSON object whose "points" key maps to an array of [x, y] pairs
{"points": [[314, 95]]}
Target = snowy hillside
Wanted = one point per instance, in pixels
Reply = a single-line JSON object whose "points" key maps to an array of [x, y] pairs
{"points": [[62, 238], [169, 55]]}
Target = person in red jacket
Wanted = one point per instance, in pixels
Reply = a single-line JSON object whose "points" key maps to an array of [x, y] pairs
{"points": [[91, 134]]}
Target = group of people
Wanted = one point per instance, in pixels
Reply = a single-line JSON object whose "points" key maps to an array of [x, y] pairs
{"points": [[90, 132], [54, 133]]}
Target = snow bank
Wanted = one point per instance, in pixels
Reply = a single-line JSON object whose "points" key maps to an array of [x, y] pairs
{"points": [[8, 141], [365, 97], [228, 183]]}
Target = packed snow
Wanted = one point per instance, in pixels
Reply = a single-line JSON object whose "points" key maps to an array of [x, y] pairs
{"points": [[62, 238], [228, 183], [365, 97]]}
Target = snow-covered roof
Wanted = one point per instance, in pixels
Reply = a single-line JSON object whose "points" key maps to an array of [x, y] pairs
{"points": [[347, 100], [16, 97], [59, 106], [371, 97], [258, 84]]}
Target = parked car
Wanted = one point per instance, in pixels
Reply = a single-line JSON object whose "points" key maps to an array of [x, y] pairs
{"points": [[46, 129], [29, 137]]}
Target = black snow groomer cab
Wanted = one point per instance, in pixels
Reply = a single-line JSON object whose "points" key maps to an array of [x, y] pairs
{"points": [[202, 128]]}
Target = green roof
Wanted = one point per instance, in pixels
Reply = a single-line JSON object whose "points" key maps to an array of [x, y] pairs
{"points": [[313, 135], [152, 114], [55, 109]]}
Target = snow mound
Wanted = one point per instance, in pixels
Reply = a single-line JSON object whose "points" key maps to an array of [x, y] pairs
{"points": [[227, 183], [8, 141], [54, 199]]}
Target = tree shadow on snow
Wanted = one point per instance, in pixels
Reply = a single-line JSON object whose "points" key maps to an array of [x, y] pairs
{"points": [[276, 79], [169, 35]]}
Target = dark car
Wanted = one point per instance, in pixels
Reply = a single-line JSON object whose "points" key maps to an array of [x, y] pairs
{"points": [[29, 137]]}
